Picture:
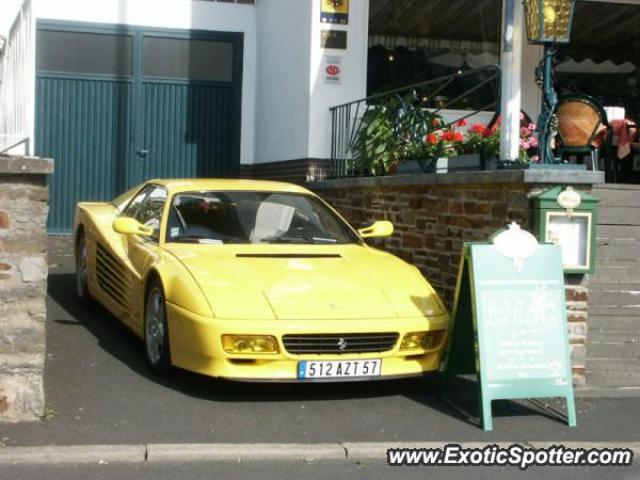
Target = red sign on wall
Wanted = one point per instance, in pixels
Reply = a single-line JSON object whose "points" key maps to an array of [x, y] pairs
{"points": [[332, 69]]}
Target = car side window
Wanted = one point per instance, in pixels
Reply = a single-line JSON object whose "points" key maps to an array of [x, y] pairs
{"points": [[132, 209], [149, 212]]}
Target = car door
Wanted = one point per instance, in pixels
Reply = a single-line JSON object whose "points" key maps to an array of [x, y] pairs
{"points": [[147, 208]]}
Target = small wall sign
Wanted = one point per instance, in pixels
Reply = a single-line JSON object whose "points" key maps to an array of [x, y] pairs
{"points": [[568, 217], [333, 39], [569, 199], [332, 70], [334, 11]]}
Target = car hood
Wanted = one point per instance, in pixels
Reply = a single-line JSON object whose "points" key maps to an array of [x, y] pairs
{"points": [[298, 282]]}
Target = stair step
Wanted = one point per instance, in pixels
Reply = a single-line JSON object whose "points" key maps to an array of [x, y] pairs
{"points": [[613, 324], [617, 241], [596, 285], [613, 311], [596, 379], [617, 231], [630, 366], [617, 336], [621, 351], [614, 275], [618, 215], [627, 251], [618, 197], [628, 298]]}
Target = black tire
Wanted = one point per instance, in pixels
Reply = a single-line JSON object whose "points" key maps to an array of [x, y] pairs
{"points": [[156, 332], [82, 283]]}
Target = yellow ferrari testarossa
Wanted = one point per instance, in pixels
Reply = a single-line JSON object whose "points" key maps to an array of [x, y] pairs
{"points": [[258, 281]]}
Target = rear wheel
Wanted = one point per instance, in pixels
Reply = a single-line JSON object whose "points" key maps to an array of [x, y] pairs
{"points": [[82, 284], [156, 333]]}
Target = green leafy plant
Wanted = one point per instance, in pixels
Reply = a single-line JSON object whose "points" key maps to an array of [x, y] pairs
{"points": [[393, 131]]}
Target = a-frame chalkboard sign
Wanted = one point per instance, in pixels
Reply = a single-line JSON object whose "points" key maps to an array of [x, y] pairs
{"points": [[509, 324]]}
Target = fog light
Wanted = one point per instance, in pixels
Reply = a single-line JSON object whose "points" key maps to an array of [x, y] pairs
{"points": [[249, 344], [422, 340]]}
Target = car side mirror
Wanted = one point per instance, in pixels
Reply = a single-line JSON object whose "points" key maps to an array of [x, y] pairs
{"points": [[383, 228], [130, 226]]}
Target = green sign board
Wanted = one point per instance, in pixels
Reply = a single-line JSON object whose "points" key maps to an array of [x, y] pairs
{"points": [[510, 326]]}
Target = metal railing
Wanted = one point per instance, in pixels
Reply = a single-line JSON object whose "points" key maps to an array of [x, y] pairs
{"points": [[17, 83], [452, 97]]}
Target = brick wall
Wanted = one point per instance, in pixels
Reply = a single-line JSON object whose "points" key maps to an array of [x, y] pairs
{"points": [[434, 214], [23, 284]]}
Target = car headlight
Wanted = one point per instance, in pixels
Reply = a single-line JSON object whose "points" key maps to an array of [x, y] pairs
{"points": [[422, 340], [249, 344]]}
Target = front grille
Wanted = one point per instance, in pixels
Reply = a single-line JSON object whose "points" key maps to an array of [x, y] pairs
{"points": [[340, 342]]}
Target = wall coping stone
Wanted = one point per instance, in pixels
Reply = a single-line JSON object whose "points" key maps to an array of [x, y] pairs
{"points": [[21, 165], [526, 176]]}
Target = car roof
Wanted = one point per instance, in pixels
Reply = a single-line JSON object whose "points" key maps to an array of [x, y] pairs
{"points": [[191, 184]]}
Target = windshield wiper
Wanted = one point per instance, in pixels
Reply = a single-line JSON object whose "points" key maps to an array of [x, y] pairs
{"points": [[188, 238], [299, 239]]}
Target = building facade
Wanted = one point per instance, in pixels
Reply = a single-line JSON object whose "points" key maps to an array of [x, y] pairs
{"points": [[119, 91]]}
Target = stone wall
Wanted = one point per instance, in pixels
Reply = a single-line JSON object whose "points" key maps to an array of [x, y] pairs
{"points": [[23, 285], [434, 214]]}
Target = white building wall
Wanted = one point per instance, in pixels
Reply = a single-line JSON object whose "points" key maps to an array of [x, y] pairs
{"points": [[353, 65], [178, 14], [292, 113], [282, 93]]}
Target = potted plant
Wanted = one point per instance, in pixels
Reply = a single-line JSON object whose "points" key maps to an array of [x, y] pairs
{"points": [[392, 133]]}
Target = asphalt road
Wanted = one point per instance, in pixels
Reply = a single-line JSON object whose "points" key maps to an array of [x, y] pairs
{"points": [[99, 391], [306, 470]]}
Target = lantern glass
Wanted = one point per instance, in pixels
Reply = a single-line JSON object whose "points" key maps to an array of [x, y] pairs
{"points": [[549, 21]]}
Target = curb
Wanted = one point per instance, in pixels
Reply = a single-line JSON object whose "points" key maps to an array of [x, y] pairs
{"points": [[239, 452], [193, 452], [72, 454]]}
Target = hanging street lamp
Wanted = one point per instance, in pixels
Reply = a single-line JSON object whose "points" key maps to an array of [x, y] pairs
{"points": [[548, 23]]}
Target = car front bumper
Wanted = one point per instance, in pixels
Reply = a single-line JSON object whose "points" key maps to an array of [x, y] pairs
{"points": [[196, 346]]}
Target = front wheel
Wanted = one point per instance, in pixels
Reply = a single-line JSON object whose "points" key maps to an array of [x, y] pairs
{"points": [[82, 284], [156, 333]]}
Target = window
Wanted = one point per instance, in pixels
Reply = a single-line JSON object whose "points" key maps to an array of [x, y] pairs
{"points": [[149, 212], [188, 59], [81, 52], [131, 209], [254, 217]]}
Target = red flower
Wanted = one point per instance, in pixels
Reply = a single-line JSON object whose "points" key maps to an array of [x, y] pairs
{"points": [[432, 139], [462, 122], [477, 128], [458, 137], [447, 136], [488, 132], [435, 122]]}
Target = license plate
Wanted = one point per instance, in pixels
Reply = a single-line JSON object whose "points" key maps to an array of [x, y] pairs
{"points": [[339, 368]]}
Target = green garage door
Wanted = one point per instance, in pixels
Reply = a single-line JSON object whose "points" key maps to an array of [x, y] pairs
{"points": [[118, 105]]}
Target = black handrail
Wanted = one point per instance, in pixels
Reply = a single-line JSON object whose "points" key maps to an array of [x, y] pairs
{"points": [[347, 118]]}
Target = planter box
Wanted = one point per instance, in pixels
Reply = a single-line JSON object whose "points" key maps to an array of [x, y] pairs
{"points": [[460, 163]]}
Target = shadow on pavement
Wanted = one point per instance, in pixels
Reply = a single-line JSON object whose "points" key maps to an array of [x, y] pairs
{"points": [[115, 339]]}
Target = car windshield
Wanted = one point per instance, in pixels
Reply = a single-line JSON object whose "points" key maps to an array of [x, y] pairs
{"points": [[233, 217]]}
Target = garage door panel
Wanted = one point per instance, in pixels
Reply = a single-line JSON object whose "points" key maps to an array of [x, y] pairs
{"points": [[83, 125], [118, 105], [187, 130]]}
